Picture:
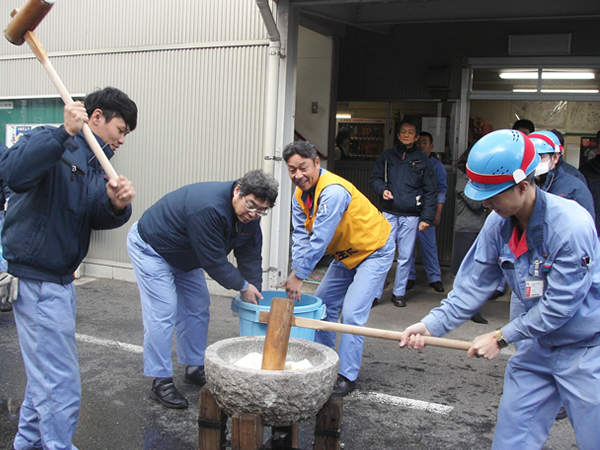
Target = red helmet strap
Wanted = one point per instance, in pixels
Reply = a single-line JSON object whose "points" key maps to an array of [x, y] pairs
{"points": [[557, 147], [517, 176]]}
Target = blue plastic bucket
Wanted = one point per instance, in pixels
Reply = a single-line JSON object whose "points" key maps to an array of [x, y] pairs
{"points": [[309, 307]]}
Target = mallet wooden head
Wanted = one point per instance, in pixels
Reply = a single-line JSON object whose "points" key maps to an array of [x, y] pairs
{"points": [[27, 19], [278, 334]]}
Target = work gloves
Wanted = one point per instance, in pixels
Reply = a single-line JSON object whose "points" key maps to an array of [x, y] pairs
{"points": [[9, 288]]}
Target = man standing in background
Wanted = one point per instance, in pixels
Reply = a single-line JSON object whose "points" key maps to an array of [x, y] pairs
{"points": [[426, 238], [405, 179]]}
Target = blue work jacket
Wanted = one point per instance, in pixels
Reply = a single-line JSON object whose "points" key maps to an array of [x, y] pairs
{"points": [[561, 183], [563, 252], [59, 197], [409, 175], [441, 177], [196, 227]]}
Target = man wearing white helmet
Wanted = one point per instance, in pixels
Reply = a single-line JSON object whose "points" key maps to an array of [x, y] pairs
{"points": [[546, 248]]}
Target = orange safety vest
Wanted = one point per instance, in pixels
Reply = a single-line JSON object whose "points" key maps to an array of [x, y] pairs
{"points": [[362, 228]]}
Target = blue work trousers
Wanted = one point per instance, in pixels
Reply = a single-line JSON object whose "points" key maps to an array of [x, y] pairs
{"points": [[171, 299], [45, 317], [404, 234], [537, 382], [352, 291], [429, 256]]}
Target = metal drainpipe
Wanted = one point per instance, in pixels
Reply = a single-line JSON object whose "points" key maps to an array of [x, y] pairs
{"points": [[270, 130]]}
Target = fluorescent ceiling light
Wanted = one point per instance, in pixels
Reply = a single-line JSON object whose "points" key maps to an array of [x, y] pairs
{"points": [[570, 91], [343, 116], [568, 75], [519, 75], [560, 91], [548, 75]]}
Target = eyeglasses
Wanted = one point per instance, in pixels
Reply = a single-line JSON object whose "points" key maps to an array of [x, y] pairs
{"points": [[250, 208]]}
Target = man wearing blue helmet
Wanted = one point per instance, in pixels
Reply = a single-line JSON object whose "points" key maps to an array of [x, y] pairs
{"points": [[552, 177], [546, 248]]}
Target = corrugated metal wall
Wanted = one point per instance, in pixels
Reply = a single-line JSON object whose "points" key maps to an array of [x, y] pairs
{"points": [[196, 70]]}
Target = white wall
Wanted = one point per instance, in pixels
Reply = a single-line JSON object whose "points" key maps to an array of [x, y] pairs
{"points": [[314, 85]]}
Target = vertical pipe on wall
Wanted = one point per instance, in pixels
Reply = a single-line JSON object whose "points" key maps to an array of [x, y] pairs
{"points": [[270, 123]]}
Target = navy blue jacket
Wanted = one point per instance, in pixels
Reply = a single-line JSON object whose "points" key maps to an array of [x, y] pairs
{"points": [[409, 175], [571, 170], [196, 227], [591, 172], [59, 197], [563, 184], [4, 190]]}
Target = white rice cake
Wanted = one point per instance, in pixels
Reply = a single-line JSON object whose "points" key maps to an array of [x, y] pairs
{"points": [[254, 361]]}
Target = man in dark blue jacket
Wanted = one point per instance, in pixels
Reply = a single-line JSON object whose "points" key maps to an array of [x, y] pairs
{"points": [[553, 179], [60, 195], [6, 282], [591, 171], [405, 178], [186, 233]]}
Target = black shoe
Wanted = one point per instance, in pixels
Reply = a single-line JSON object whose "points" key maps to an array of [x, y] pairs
{"points": [[398, 301], [375, 302], [562, 413], [478, 318], [5, 307], [496, 294], [194, 375], [343, 386], [164, 391], [410, 284], [437, 286]]}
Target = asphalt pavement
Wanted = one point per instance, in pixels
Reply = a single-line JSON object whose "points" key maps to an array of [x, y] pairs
{"points": [[434, 399]]}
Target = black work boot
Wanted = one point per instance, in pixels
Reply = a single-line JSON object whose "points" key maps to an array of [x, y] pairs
{"points": [[164, 391], [194, 375], [398, 300], [343, 386]]}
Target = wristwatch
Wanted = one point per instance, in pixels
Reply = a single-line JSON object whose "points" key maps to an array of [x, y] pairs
{"points": [[500, 339]]}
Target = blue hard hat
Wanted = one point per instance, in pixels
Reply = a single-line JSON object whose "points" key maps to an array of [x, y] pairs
{"points": [[498, 161], [546, 142]]}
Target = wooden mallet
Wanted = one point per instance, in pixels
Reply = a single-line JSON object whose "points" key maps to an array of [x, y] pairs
{"points": [[278, 334], [265, 316], [19, 30]]}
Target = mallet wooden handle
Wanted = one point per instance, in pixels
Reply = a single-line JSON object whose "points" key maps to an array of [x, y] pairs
{"points": [[41, 55], [365, 331]]}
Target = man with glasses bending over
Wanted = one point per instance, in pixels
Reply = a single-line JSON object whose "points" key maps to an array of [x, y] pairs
{"points": [[186, 233]]}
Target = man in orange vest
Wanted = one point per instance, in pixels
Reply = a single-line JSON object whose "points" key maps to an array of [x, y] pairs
{"points": [[331, 216]]}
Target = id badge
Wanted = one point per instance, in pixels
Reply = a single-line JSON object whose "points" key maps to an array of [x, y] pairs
{"points": [[534, 288], [534, 285]]}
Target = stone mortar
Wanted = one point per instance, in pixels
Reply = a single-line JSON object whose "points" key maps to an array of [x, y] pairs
{"points": [[280, 397]]}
